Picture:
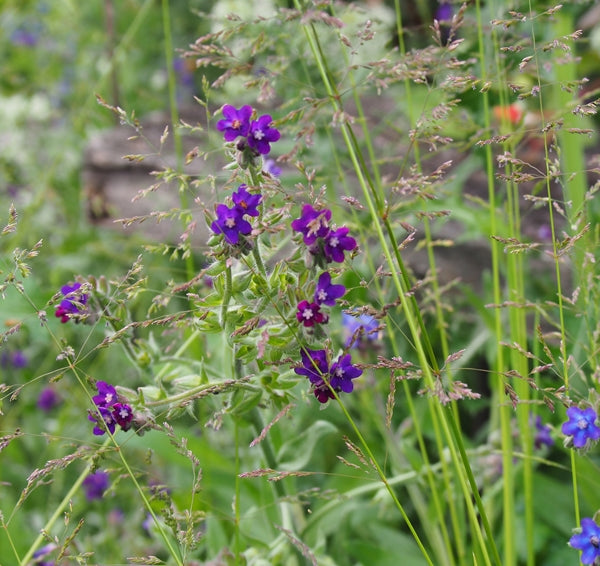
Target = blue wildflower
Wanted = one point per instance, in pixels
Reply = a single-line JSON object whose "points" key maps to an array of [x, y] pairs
{"points": [[342, 374], [326, 293], [235, 123], [95, 485], [581, 426], [588, 541], [356, 328], [72, 304], [261, 134], [231, 223]]}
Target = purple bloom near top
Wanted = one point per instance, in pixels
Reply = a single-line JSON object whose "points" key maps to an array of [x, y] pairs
{"points": [[312, 224], [588, 541], [581, 426], [246, 202], [70, 305], [230, 223], [123, 414], [336, 242], [235, 123], [107, 395], [342, 374], [261, 134], [95, 485], [326, 293], [107, 417], [357, 327]]}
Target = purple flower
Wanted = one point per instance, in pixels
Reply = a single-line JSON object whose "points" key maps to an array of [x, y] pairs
{"points": [[322, 392], [16, 359], [48, 399], [326, 293], [107, 395], [95, 485], [581, 426], [106, 416], [310, 314], [261, 134], [44, 552], [271, 167], [72, 302], [123, 414], [23, 38], [230, 223], [336, 242], [314, 365], [236, 122], [342, 374], [444, 12], [542, 434], [588, 541], [245, 202], [357, 327], [312, 224]]}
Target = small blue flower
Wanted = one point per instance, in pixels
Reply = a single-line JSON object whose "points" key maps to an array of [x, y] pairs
{"points": [[326, 293], [312, 224], [246, 202], [342, 374], [261, 134], [357, 328], [581, 426], [588, 541], [336, 243], [235, 123], [230, 223]]}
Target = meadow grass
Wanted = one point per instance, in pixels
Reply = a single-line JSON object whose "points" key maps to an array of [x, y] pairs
{"points": [[366, 357]]}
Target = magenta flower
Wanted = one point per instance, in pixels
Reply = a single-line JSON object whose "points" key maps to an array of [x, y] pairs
{"points": [[581, 426], [336, 243], [246, 202], [310, 314], [588, 541], [312, 224], [109, 412], [261, 134], [123, 415], [95, 485], [342, 374], [326, 293], [236, 122], [230, 223], [72, 304]]}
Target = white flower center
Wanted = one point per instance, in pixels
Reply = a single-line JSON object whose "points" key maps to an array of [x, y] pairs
{"points": [[259, 135], [230, 222], [582, 424], [322, 295], [124, 413], [339, 372], [307, 314], [334, 242], [108, 398]]}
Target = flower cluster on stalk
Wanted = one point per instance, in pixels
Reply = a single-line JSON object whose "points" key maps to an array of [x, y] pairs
{"points": [[254, 136], [110, 411], [73, 304]]}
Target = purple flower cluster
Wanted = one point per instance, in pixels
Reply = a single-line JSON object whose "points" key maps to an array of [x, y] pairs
{"points": [[324, 241], [323, 378], [73, 303], [230, 220], [309, 313], [581, 427], [110, 409], [256, 134]]}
